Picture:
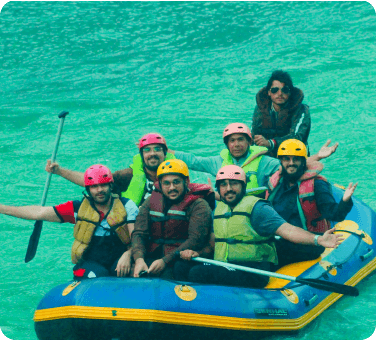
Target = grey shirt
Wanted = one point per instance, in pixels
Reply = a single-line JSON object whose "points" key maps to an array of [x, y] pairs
{"points": [[264, 219], [211, 165]]}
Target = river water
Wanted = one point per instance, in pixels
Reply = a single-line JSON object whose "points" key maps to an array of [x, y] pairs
{"points": [[186, 70]]}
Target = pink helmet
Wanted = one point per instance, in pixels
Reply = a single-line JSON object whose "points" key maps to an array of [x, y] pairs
{"points": [[237, 128], [231, 172], [97, 174], [152, 138]]}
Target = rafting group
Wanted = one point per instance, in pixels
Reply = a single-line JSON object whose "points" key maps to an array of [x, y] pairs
{"points": [[270, 205]]}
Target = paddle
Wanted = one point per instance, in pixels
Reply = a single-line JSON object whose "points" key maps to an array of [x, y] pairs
{"points": [[319, 284], [34, 238]]}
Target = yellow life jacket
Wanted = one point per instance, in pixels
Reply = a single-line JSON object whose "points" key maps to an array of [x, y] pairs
{"points": [[88, 219], [235, 239], [136, 188], [250, 166]]}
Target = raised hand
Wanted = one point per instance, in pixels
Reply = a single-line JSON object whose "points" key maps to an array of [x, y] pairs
{"points": [[52, 167], [327, 150], [349, 191]]}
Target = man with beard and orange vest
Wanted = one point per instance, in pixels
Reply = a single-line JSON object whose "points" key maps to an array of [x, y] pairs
{"points": [[177, 216], [280, 114], [137, 181], [303, 198]]}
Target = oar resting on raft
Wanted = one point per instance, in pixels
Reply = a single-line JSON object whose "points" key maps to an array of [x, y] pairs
{"points": [[316, 283]]}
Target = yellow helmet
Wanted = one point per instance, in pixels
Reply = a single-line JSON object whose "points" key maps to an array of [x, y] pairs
{"points": [[292, 147], [171, 167]]}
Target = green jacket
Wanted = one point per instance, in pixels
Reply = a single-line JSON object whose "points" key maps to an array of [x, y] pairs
{"points": [[136, 188], [232, 226], [250, 166]]}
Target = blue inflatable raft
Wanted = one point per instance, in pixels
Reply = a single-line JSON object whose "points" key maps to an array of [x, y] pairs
{"points": [[123, 308]]}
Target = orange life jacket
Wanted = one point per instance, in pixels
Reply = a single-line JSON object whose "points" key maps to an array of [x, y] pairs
{"points": [[310, 216]]}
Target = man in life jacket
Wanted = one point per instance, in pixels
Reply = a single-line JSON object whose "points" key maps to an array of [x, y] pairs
{"points": [[103, 224], [135, 182], [240, 151], [244, 229], [175, 217], [279, 114], [303, 198]]}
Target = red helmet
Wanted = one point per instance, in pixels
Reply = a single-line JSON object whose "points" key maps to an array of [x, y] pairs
{"points": [[231, 172], [237, 128], [152, 138], [97, 174]]}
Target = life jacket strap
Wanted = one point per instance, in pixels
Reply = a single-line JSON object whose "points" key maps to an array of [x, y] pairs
{"points": [[235, 241], [167, 241], [157, 216], [85, 220], [232, 213]]}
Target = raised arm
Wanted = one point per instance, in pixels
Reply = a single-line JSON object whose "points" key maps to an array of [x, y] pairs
{"points": [[72, 176], [324, 152], [31, 212]]}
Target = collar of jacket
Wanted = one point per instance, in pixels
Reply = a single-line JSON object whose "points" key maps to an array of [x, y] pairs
{"points": [[263, 100]]}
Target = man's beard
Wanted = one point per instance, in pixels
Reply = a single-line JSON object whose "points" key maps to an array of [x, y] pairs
{"points": [[152, 167], [107, 197], [295, 176], [235, 202]]}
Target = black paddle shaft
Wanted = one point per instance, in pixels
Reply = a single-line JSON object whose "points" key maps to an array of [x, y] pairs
{"points": [[315, 283], [34, 238]]}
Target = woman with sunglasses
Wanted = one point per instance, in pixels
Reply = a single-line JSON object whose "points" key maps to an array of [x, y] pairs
{"points": [[279, 114]]}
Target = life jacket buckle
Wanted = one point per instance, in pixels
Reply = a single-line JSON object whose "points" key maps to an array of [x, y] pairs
{"points": [[228, 215]]}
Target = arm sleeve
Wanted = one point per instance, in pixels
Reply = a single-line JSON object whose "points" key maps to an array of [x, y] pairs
{"points": [[132, 211], [122, 178], [200, 222], [264, 219], [210, 165], [140, 233], [66, 212], [326, 204], [267, 167], [255, 122], [300, 126]]}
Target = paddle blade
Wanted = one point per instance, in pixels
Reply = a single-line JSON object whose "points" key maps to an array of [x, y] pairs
{"points": [[330, 286], [33, 241]]}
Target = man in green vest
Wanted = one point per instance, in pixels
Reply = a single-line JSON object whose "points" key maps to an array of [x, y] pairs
{"points": [[244, 227], [240, 151], [135, 182]]}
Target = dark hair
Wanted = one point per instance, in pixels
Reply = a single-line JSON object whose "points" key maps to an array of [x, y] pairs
{"points": [[281, 76]]}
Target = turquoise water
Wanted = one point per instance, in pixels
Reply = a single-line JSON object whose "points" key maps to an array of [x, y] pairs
{"points": [[186, 70]]}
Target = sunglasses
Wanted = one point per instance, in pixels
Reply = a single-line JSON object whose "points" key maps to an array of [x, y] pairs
{"points": [[284, 89], [156, 149]]}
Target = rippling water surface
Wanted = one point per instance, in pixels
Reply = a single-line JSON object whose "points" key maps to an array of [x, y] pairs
{"points": [[186, 70]]}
